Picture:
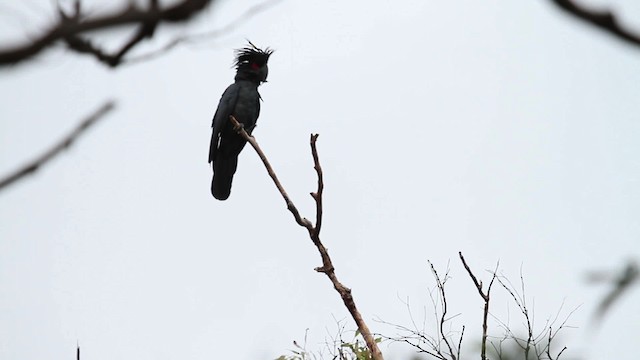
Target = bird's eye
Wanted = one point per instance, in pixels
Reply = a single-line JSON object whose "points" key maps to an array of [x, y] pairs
{"points": [[255, 66]]}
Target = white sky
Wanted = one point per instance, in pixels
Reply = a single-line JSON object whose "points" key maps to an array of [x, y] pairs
{"points": [[505, 130]]}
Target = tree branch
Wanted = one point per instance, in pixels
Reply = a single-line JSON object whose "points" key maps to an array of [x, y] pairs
{"points": [[443, 317], [69, 28], [486, 297], [81, 45], [605, 20], [62, 145], [249, 13], [314, 233]]}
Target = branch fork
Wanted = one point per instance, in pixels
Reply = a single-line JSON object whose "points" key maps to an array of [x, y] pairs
{"points": [[327, 267]]}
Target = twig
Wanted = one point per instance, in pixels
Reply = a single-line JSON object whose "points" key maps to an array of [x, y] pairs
{"points": [[605, 20], [62, 145], [419, 339], [314, 233], [78, 44], [486, 297], [68, 30], [252, 11], [443, 303]]}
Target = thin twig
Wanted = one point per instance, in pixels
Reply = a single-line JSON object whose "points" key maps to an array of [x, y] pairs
{"points": [[251, 12], [605, 20], [443, 303], [62, 145], [81, 45], [314, 233], [65, 29], [486, 297]]}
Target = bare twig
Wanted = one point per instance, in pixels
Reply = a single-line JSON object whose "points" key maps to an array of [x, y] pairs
{"points": [[541, 342], [442, 345], [620, 283], [62, 145], [521, 302], [69, 28], [314, 233], [443, 302], [416, 338], [252, 11], [486, 296], [605, 20], [81, 45]]}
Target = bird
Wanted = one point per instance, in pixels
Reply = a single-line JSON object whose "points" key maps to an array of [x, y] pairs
{"points": [[242, 101]]}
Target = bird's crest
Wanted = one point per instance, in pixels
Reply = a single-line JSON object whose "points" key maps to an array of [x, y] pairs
{"points": [[252, 57]]}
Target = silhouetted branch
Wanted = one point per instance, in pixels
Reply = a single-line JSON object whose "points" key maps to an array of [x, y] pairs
{"points": [[252, 11], [420, 339], [62, 145], [70, 27], [314, 233], [605, 20], [620, 283], [443, 317], [486, 296], [81, 45], [541, 343]]}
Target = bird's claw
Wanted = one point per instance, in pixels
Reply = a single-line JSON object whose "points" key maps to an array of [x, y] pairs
{"points": [[238, 127]]}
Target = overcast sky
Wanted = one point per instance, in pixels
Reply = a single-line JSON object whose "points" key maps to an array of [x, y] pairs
{"points": [[502, 129]]}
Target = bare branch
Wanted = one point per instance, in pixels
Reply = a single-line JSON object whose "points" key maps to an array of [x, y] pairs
{"points": [[605, 20], [317, 196], [62, 145], [78, 44], [314, 233], [620, 284], [541, 343], [442, 345], [443, 302], [69, 28], [290, 206], [252, 11], [486, 297]]}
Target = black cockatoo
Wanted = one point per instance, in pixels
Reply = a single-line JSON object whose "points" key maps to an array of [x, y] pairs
{"points": [[242, 100]]}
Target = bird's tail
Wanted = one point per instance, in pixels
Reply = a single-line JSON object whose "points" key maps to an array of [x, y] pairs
{"points": [[223, 170]]}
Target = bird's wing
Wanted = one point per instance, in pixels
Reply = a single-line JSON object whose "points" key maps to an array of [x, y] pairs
{"points": [[221, 117]]}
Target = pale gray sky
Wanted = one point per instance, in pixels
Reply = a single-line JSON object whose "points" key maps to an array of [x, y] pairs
{"points": [[505, 130]]}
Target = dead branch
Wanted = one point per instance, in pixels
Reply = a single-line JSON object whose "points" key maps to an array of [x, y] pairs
{"points": [[62, 145], [486, 296], [540, 343], [605, 20], [443, 302], [423, 342], [417, 339], [620, 284], [81, 45], [192, 38], [314, 233], [70, 27]]}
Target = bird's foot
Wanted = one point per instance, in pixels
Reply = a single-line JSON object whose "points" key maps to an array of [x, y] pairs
{"points": [[238, 127]]}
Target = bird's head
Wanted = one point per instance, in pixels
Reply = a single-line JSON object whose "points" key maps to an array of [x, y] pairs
{"points": [[251, 63]]}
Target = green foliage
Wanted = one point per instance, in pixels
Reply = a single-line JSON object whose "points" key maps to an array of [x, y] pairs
{"points": [[338, 350], [358, 350]]}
